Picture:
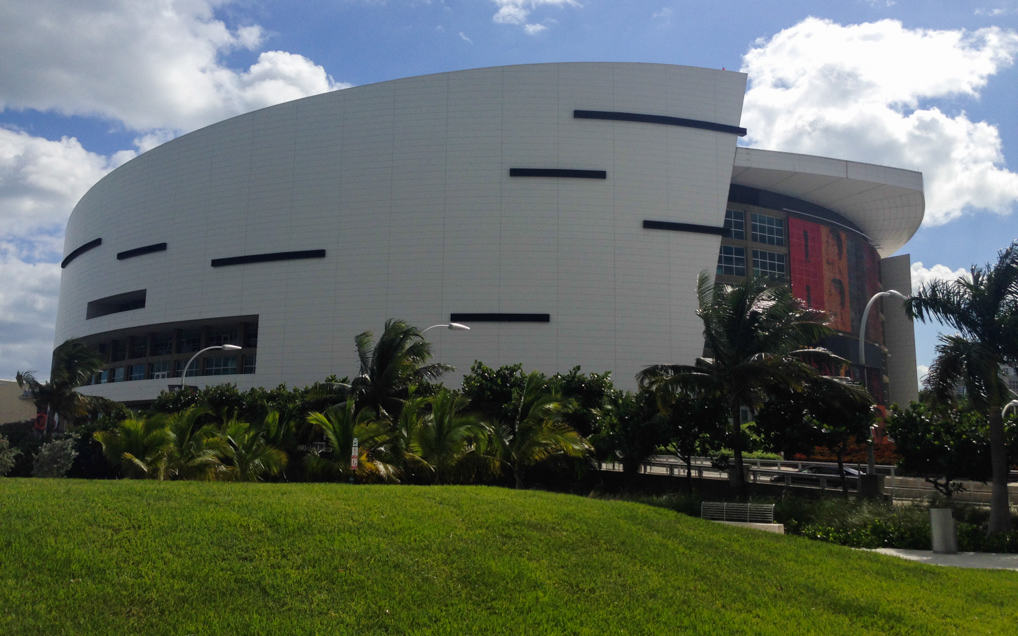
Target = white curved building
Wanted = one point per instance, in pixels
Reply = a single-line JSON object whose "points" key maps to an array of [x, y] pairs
{"points": [[563, 211]]}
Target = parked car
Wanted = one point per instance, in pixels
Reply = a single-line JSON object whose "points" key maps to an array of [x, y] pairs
{"points": [[811, 476]]}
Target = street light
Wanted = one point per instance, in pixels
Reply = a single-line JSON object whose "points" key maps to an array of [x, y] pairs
{"points": [[452, 326], [225, 347], [871, 461], [1013, 404]]}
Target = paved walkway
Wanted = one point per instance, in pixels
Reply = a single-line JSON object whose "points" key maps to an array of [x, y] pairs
{"points": [[980, 560]]}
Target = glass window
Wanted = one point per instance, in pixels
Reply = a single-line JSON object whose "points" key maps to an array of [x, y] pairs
{"points": [[104, 377], [117, 351], [137, 372], [192, 371], [770, 264], [221, 336], [160, 369], [768, 229], [249, 363], [190, 341], [735, 224], [732, 261], [137, 347], [221, 365], [162, 344], [118, 374], [250, 335]]}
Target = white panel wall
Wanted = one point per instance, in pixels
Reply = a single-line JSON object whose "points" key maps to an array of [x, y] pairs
{"points": [[405, 185]]}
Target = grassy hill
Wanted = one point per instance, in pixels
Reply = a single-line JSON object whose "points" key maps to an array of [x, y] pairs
{"points": [[192, 558]]}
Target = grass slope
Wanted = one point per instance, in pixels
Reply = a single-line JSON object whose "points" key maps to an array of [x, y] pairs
{"points": [[192, 558]]}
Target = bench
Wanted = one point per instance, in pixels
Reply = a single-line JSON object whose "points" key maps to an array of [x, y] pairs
{"points": [[742, 512]]}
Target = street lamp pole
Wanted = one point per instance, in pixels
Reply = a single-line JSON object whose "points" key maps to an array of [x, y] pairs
{"points": [[871, 464], [452, 326], [225, 347]]}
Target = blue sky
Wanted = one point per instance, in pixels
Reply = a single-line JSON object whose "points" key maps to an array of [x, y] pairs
{"points": [[929, 86]]}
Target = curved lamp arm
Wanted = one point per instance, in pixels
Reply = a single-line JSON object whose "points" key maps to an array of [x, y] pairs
{"points": [[865, 316], [452, 326], [227, 347]]}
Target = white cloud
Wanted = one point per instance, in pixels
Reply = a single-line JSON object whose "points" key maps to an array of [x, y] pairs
{"points": [[921, 275], [922, 371], [517, 12], [145, 66], [664, 15], [463, 36], [863, 92], [28, 304], [41, 180]]}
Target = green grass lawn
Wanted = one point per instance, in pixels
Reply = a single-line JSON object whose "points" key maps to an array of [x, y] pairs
{"points": [[120, 557]]}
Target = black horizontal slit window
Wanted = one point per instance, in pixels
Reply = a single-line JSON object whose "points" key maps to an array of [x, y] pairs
{"points": [[499, 318], [683, 227], [558, 172], [138, 251], [659, 119], [79, 251], [115, 304], [265, 258]]}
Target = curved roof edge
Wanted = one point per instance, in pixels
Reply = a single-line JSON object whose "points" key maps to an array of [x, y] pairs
{"points": [[887, 204]]}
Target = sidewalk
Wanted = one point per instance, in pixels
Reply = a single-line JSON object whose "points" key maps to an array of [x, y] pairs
{"points": [[980, 560]]}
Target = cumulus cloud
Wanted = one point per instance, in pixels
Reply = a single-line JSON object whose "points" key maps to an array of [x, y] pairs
{"points": [[921, 275], [41, 180], [148, 67], [28, 304], [866, 92], [517, 12]]}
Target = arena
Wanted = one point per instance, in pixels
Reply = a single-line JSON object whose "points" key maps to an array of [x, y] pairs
{"points": [[562, 211]]}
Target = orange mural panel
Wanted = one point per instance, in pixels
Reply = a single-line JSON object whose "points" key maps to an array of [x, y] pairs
{"points": [[836, 289]]}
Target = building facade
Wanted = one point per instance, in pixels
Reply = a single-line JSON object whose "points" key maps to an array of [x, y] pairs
{"points": [[563, 211]]}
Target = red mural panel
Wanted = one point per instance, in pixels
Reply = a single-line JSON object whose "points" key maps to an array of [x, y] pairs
{"points": [[806, 262], [836, 289]]}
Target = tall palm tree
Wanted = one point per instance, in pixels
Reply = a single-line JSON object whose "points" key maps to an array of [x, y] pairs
{"points": [[74, 363], [139, 446], [983, 308], [446, 436], [391, 366], [756, 334], [534, 431]]}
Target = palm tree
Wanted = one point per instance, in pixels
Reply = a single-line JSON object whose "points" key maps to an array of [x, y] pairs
{"points": [[535, 430], [391, 366], [757, 335], [140, 447], [445, 437], [74, 363], [983, 308], [340, 424], [252, 457], [197, 449]]}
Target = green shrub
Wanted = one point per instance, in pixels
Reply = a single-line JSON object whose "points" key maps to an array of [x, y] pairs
{"points": [[54, 458], [8, 456]]}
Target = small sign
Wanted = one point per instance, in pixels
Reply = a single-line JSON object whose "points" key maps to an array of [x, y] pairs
{"points": [[353, 455]]}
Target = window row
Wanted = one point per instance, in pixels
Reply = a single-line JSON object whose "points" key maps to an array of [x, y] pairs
{"points": [[765, 229], [161, 369], [732, 262], [177, 341]]}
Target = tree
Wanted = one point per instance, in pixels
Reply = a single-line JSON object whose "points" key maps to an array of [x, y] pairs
{"points": [[251, 457], [491, 391], [340, 424], [941, 443], [447, 436], [533, 431], [8, 456], [756, 335], [694, 424], [197, 448], [391, 366], [983, 308], [632, 430], [138, 446], [74, 363], [55, 458]]}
